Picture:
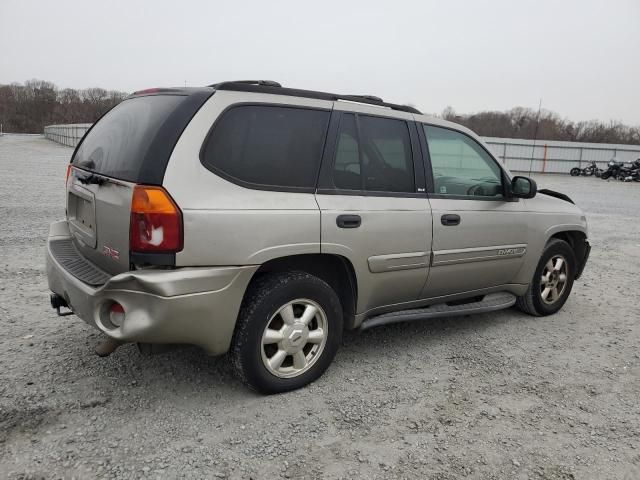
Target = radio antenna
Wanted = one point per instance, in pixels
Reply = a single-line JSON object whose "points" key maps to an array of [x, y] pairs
{"points": [[535, 137]]}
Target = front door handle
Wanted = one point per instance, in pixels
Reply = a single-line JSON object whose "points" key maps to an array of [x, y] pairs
{"points": [[348, 221], [450, 219]]}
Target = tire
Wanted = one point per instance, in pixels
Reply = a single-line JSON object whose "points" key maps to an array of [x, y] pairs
{"points": [[605, 175], [533, 302], [271, 360], [574, 172], [598, 173]]}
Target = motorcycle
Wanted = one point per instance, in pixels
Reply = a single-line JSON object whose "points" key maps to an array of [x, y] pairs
{"points": [[614, 169], [589, 170], [631, 173]]}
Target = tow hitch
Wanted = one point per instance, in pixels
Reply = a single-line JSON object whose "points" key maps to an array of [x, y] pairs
{"points": [[58, 302]]}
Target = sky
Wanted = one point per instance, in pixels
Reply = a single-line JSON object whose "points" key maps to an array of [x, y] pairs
{"points": [[581, 58]]}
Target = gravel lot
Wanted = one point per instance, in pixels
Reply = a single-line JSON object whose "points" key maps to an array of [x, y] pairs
{"points": [[499, 395]]}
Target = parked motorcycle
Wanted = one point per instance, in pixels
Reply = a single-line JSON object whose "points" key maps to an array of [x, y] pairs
{"points": [[589, 170], [614, 169], [631, 173]]}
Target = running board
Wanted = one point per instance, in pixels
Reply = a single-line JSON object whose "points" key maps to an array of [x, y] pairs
{"points": [[490, 303]]}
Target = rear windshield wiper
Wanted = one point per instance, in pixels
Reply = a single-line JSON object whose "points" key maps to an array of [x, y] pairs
{"points": [[91, 179]]}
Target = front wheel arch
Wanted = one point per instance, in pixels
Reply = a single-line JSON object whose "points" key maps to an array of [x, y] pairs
{"points": [[532, 301]]}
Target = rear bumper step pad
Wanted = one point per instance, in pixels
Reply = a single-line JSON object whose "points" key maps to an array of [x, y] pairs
{"points": [[65, 253]]}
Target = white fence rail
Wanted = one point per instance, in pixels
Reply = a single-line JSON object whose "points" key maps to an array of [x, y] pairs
{"points": [[68, 135], [557, 157], [519, 155]]}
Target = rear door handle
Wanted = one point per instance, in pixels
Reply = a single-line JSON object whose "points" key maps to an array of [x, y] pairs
{"points": [[450, 219], [348, 221]]}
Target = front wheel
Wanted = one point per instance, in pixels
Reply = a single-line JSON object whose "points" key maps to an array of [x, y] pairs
{"points": [[574, 172], [552, 280], [288, 331], [605, 175]]}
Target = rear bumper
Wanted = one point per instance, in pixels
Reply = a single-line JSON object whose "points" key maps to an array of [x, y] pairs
{"points": [[197, 306]]}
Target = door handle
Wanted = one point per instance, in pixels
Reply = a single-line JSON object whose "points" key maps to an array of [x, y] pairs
{"points": [[450, 219], [348, 221]]}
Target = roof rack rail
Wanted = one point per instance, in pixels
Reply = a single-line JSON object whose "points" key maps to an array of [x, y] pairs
{"points": [[269, 86], [369, 97], [265, 83]]}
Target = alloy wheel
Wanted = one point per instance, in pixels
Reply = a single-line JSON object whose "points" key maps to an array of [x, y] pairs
{"points": [[554, 279], [294, 338]]}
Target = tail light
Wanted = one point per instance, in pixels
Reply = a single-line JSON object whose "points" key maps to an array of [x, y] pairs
{"points": [[156, 221], [66, 178]]}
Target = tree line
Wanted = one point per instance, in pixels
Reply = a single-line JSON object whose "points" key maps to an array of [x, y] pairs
{"points": [[525, 123], [28, 107]]}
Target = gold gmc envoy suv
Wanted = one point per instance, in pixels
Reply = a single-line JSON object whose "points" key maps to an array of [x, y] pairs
{"points": [[263, 221]]}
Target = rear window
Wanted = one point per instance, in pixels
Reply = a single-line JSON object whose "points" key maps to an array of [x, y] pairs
{"points": [[117, 145], [268, 147]]}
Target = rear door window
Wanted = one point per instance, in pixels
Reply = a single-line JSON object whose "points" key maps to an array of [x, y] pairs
{"points": [[116, 146], [373, 154], [269, 147]]}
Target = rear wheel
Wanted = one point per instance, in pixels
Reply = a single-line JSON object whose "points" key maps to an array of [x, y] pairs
{"points": [[574, 172], [288, 331], [599, 172], [552, 280]]}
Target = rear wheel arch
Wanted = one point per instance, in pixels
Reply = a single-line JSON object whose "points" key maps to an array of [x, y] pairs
{"points": [[336, 270]]}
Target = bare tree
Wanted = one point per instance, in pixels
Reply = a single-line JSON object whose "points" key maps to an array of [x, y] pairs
{"points": [[28, 108]]}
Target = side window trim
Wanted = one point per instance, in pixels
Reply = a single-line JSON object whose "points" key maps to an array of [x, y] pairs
{"points": [[258, 186], [504, 177], [326, 184]]}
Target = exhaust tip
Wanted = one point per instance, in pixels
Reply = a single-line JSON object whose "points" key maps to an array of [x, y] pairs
{"points": [[107, 346]]}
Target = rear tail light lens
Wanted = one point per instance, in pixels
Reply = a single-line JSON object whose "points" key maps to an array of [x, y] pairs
{"points": [[66, 178], [156, 221]]}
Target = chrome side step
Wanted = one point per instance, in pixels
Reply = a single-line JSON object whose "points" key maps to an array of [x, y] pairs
{"points": [[490, 303]]}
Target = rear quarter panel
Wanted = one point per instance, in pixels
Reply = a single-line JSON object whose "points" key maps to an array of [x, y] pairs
{"points": [[227, 224]]}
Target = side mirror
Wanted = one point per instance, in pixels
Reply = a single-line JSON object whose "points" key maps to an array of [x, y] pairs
{"points": [[523, 187]]}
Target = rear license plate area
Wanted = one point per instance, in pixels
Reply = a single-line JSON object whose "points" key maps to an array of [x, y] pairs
{"points": [[81, 214]]}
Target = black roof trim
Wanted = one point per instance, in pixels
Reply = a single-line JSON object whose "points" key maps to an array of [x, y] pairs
{"points": [[269, 86]]}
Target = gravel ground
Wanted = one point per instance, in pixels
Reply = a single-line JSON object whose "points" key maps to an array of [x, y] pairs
{"points": [[499, 395]]}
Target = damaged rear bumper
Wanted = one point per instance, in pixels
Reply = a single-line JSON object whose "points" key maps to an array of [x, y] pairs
{"points": [[197, 306]]}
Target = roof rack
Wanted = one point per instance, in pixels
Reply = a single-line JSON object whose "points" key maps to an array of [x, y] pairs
{"points": [[269, 86], [264, 83]]}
